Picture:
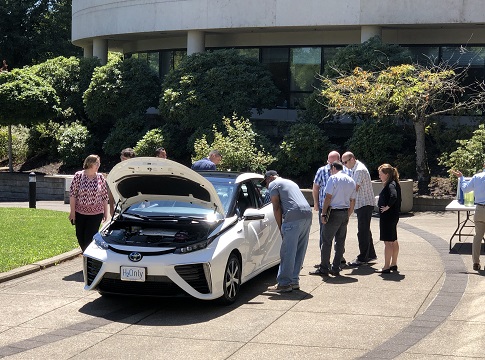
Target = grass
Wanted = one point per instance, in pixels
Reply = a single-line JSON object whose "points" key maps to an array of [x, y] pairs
{"points": [[30, 235]]}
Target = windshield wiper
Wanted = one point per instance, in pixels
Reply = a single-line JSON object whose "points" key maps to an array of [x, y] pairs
{"points": [[135, 216]]}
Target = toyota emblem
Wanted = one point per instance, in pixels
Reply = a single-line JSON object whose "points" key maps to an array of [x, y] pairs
{"points": [[135, 256]]}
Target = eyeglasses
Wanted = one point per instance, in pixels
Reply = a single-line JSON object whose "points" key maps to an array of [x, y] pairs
{"points": [[346, 161]]}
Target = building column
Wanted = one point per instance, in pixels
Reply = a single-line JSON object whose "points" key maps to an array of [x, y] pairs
{"points": [[367, 32], [100, 50], [88, 51], [195, 42]]}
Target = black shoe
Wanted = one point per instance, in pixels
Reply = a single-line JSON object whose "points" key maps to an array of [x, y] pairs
{"points": [[319, 272], [335, 272], [476, 266], [383, 271], [393, 268]]}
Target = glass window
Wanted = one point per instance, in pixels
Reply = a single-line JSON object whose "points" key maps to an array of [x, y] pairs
{"points": [[143, 56], [277, 61], [424, 55], [178, 56], [329, 53], [252, 53], [463, 56], [305, 65], [154, 61]]}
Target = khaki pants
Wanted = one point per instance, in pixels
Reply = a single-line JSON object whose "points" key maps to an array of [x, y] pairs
{"points": [[479, 219]]}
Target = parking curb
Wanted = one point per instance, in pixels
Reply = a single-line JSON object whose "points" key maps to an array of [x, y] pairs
{"points": [[39, 265]]}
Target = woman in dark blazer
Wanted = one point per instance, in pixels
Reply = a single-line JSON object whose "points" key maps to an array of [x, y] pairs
{"points": [[389, 205]]}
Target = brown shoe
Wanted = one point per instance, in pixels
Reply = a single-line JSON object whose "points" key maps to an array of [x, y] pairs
{"points": [[476, 266]]}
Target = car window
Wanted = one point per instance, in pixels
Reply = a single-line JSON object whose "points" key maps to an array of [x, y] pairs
{"points": [[167, 208]]}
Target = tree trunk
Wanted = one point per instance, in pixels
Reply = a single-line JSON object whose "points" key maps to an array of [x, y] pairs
{"points": [[10, 156], [422, 168]]}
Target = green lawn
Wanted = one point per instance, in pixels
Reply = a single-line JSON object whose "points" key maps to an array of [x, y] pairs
{"points": [[30, 235]]}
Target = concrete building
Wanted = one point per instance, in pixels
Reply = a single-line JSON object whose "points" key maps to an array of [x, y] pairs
{"points": [[294, 38]]}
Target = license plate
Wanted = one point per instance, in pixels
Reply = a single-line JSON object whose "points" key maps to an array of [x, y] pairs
{"points": [[131, 273]]}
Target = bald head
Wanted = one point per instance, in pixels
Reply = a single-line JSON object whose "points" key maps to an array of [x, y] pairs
{"points": [[333, 156]]}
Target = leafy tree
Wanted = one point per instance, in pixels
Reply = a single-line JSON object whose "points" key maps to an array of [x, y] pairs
{"points": [[35, 30], [69, 77], [209, 86], [371, 55], [239, 149], [152, 140], [409, 92], [24, 99], [470, 155], [120, 88], [302, 150], [382, 142]]}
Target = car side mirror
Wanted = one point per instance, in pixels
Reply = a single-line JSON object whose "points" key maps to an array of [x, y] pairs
{"points": [[253, 214]]}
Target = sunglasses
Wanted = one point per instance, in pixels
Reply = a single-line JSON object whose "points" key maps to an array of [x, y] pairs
{"points": [[345, 162]]}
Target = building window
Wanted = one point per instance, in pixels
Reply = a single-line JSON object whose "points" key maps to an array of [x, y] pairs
{"points": [[277, 60], [424, 55], [305, 65]]}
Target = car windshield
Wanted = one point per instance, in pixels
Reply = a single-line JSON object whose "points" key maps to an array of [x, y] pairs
{"points": [[172, 208], [225, 188]]}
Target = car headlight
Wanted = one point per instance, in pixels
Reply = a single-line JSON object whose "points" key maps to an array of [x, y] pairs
{"points": [[192, 247], [99, 241]]}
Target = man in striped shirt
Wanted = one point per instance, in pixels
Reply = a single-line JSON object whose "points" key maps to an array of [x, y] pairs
{"points": [[364, 206]]}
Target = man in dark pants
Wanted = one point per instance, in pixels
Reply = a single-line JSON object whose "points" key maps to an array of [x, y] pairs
{"points": [[340, 198], [364, 206]]}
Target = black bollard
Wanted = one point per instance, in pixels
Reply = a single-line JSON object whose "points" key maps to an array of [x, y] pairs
{"points": [[32, 190]]}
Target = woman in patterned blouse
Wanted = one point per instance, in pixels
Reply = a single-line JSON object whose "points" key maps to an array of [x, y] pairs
{"points": [[88, 198]]}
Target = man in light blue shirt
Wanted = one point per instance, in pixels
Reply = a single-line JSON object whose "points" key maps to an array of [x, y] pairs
{"points": [[340, 196], [477, 185]]}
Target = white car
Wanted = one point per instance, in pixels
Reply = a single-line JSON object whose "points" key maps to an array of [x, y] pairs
{"points": [[178, 232]]}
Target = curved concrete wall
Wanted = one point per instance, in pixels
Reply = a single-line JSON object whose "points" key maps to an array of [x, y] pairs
{"points": [[125, 18]]}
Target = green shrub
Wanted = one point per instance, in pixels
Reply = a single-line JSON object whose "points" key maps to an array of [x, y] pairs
{"points": [[42, 139], [152, 140], [239, 149], [73, 140], [469, 157], [302, 150], [19, 143], [126, 132]]}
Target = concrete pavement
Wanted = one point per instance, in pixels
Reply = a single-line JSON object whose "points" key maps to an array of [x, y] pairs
{"points": [[433, 308]]}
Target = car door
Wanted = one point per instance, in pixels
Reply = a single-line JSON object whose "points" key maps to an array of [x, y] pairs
{"points": [[272, 236], [255, 230], [269, 241]]}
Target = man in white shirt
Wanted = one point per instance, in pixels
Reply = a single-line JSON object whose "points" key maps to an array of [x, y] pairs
{"points": [[340, 198]]}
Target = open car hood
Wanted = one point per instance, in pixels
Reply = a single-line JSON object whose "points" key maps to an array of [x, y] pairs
{"points": [[150, 178]]}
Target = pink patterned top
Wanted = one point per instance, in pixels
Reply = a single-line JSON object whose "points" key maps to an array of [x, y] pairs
{"points": [[90, 194]]}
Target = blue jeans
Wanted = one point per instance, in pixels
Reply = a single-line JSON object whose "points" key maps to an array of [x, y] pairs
{"points": [[295, 236], [364, 235], [336, 227]]}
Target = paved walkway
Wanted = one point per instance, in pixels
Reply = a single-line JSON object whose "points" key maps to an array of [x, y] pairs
{"points": [[433, 308]]}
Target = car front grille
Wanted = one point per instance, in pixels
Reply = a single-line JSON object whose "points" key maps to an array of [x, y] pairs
{"points": [[93, 267], [194, 275], [160, 286], [153, 285]]}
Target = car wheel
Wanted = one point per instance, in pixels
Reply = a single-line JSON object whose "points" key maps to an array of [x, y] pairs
{"points": [[232, 280]]}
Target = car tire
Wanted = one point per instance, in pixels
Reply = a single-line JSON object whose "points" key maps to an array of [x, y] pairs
{"points": [[232, 280]]}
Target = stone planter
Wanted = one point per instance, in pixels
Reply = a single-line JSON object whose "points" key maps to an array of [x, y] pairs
{"points": [[406, 193]]}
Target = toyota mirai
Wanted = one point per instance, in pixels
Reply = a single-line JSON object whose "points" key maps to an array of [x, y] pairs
{"points": [[178, 232]]}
